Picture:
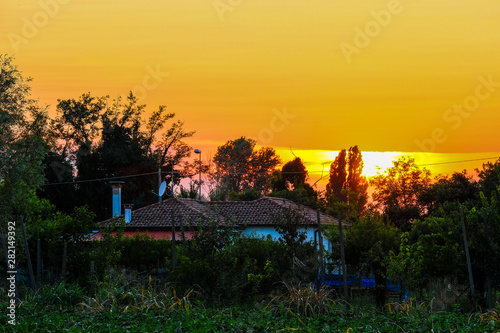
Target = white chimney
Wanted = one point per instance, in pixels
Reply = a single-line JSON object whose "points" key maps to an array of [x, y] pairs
{"points": [[128, 212], [117, 197]]}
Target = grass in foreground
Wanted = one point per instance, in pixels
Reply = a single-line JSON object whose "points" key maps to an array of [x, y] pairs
{"points": [[135, 308]]}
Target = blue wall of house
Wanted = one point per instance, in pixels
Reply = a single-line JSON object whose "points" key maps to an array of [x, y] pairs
{"points": [[270, 231]]}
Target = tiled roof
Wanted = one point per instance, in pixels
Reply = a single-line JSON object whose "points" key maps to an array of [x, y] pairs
{"points": [[155, 234], [251, 213]]}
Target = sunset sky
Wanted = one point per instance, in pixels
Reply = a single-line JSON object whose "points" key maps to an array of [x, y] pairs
{"points": [[314, 77]]}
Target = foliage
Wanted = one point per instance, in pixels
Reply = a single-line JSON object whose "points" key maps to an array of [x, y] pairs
{"points": [[368, 243], [104, 141], [54, 229], [489, 177], [293, 174], [247, 195], [430, 251], [235, 268], [346, 184], [135, 307], [143, 253], [483, 232], [303, 195], [107, 251], [289, 224], [291, 184], [442, 196], [338, 177], [238, 166], [192, 192], [397, 192], [203, 261], [23, 131], [304, 301]]}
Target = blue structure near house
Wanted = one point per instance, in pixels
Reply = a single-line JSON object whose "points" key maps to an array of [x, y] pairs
{"points": [[336, 281]]}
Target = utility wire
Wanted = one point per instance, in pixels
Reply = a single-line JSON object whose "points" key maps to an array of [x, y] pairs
{"points": [[477, 159], [155, 173], [241, 173], [102, 179]]}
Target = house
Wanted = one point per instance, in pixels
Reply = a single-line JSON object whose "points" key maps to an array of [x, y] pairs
{"points": [[183, 216]]}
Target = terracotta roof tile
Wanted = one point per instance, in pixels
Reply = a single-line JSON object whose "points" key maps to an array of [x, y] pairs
{"points": [[252, 213]]}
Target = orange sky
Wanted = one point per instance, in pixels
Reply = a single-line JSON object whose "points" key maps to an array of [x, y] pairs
{"points": [[386, 75]]}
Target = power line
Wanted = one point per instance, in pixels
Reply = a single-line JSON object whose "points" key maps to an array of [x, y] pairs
{"points": [[243, 173], [101, 179], [450, 162], [155, 173]]}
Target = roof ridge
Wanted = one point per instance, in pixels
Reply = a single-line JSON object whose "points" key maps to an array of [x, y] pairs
{"points": [[188, 206]]}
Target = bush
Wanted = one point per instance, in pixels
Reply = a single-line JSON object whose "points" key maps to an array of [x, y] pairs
{"points": [[143, 253]]}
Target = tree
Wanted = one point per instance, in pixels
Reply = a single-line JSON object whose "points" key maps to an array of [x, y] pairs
{"points": [[238, 166], [397, 192], [483, 232], [489, 177], [54, 229], [347, 185], [291, 183], [294, 173], [444, 195], [357, 185], [338, 177], [368, 244], [293, 234], [103, 141], [23, 128], [431, 250]]}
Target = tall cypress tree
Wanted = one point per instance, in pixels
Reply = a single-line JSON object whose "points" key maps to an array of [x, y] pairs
{"points": [[346, 183]]}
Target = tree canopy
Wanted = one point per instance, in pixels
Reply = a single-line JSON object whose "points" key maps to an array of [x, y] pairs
{"points": [[346, 184], [102, 141], [396, 192], [239, 166], [23, 136]]}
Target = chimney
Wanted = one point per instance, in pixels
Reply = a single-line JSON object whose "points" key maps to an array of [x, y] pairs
{"points": [[117, 197], [128, 212]]}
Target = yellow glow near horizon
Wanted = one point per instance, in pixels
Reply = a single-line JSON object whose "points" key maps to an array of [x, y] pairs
{"points": [[318, 162]]}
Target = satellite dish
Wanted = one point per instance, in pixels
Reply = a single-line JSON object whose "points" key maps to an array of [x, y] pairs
{"points": [[162, 189]]}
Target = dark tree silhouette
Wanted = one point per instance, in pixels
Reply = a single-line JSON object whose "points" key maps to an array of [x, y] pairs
{"points": [[103, 141], [338, 177], [291, 183], [347, 184], [397, 192], [238, 166], [23, 131]]}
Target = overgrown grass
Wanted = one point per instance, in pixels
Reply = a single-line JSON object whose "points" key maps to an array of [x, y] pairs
{"points": [[303, 301], [121, 305]]}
